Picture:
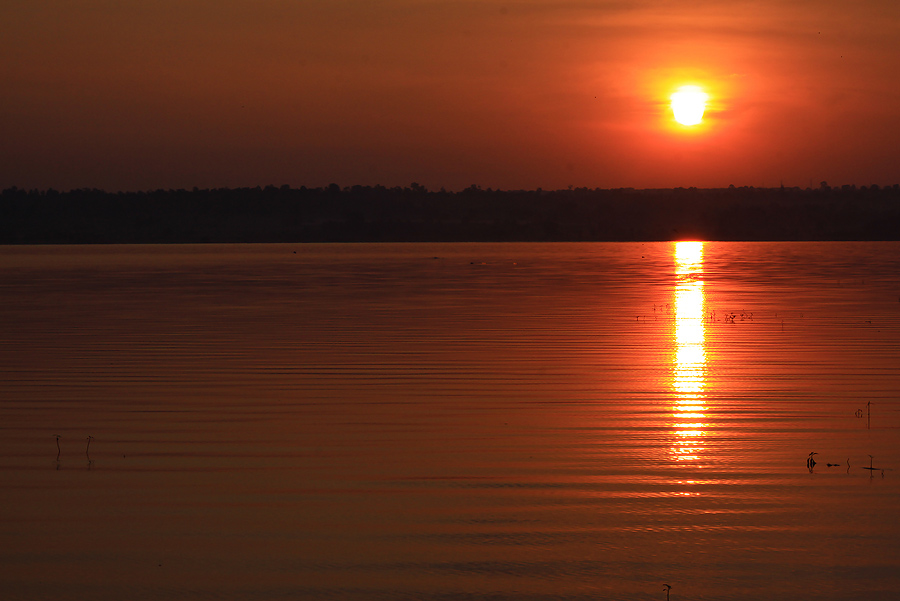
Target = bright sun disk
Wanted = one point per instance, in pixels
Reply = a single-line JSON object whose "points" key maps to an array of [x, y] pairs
{"points": [[688, 104]]}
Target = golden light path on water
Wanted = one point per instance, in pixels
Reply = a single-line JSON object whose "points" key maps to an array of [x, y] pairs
{"points": [[689, 358]]}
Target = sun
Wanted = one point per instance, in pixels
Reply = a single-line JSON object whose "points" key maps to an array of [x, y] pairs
{"points": [[688, 104]]}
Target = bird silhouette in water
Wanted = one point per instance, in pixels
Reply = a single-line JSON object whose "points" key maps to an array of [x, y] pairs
{"points": [[810, 461], [667, 589]]}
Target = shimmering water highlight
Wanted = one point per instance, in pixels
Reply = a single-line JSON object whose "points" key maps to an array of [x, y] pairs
{"points": [[435, 422]]}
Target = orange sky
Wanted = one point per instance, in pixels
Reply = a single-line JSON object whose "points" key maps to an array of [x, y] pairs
{"points": [[138, 94]]}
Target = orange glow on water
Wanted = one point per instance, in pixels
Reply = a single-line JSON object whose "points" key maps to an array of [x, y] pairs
{"points": [[689, 355]]}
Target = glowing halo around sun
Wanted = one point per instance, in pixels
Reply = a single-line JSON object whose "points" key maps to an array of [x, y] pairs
{"points": [[688, 105]]}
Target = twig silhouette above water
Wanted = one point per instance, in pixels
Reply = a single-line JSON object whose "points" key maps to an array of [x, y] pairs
{"points": [[873, 469], [859, 414]]}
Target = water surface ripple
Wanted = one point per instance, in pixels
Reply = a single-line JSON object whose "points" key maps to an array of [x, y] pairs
{"points": [[450, 422]]}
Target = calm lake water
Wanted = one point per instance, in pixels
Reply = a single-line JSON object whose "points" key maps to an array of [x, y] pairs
{"points": [[450, 422]]}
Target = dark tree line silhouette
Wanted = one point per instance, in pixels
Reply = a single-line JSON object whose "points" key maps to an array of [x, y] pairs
{"points": [[413, 213]]}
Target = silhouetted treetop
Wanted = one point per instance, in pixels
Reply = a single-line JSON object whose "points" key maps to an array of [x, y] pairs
{"points": [[380, 214]]}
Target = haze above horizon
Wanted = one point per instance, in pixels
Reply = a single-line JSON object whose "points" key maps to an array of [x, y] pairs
{"points": [[512, 95]]}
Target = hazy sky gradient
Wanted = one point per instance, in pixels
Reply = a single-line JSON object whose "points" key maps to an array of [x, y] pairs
{"points": [[134, 94]]}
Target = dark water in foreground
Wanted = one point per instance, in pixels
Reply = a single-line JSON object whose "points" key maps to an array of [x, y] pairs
{"points": [[450, 422]]}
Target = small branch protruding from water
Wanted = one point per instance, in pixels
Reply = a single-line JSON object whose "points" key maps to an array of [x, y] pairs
{"points": [[871, 468], [88, 449], [58, 450], [667, 588]]}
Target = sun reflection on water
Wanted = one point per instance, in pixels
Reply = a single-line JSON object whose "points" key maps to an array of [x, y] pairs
{"points": [[689, 357]]}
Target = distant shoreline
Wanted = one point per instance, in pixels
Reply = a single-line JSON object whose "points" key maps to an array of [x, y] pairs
{"points": [[415, 214]]}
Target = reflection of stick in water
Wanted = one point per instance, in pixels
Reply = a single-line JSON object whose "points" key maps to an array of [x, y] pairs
{"points": [[871, 469], [667, 589]]}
